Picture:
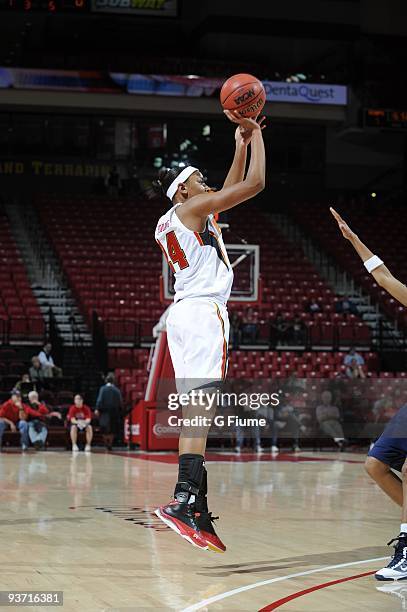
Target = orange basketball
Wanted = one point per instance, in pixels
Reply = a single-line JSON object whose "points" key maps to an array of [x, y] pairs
{"points": [[244, 93]]}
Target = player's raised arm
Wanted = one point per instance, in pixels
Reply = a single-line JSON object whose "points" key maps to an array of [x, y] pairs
{"points": [[243, 137], [200, 206], [373, 264]]}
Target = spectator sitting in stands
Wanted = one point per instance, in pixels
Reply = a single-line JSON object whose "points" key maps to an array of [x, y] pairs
{"points": [[13, 415], [79, 418], [249, 327], [47, 363], [37, 412], [235, 330], [24, 386], [287, 419], [353, 355], [36, 372], [313, 306], [329, 419], [247, 432], [278, 330], [346, 306], [376, 419], [354, 370], [298, 331], [108, 408]]}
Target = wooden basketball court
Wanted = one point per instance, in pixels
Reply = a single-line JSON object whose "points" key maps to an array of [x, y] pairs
{"points": [[303, 533]]}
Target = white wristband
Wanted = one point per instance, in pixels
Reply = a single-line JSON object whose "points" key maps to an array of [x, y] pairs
{"points": [[372, 263]]}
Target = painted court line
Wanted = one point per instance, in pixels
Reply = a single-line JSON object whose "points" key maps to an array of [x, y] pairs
{"points": [[280, 602], [255, 585]]}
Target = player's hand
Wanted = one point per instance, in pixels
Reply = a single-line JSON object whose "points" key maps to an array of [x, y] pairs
{"points": [[343, 226], [245, 123], [13, 427], [244, 135]]}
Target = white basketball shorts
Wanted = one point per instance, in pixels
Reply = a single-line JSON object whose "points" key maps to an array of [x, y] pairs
{"points": [[198, 336]]}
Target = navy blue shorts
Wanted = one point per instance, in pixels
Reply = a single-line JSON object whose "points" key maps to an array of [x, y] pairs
{"points": [[391, 451], [391, 447]]}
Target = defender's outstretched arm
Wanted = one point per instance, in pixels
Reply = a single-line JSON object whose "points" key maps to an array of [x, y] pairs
{"points": [[381, 274]]}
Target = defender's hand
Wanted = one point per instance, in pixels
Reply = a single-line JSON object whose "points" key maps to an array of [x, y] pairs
{"points": [[343, 226]]}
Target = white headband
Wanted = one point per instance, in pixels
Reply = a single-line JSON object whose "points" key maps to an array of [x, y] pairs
{"points": [[181, 178]]}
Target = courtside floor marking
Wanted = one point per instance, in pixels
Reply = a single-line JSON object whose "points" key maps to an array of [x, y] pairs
{"points": [[255, 585], [280, 602]]}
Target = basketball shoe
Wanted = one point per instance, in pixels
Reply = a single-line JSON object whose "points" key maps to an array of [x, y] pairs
{"points": [[397, 568], [204, 521], [180, 516]]}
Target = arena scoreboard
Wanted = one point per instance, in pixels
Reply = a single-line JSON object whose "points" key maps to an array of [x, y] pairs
{"points": [[46, 6], [385, 118], [156, 8]]}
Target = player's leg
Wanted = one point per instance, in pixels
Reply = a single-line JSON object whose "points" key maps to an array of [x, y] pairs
{"points": [[387, 480], [397, 568], [179, 514], [198, 347], [216, 368], [193, 440], [390, 453]]}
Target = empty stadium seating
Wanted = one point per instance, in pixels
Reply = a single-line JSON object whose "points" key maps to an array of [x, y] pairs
{"points": [[108, 253], [20, 315]]}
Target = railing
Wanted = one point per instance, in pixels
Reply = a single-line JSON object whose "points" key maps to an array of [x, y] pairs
{"points": [[99, 342], [260, 334], [55, 338]]}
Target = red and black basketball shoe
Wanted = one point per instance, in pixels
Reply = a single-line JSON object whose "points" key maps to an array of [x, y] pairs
{"points": [[180, 516], [204, 521]]}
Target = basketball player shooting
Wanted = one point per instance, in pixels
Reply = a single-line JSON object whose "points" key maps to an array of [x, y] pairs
{"points": [[390, 450], [198, 325]]}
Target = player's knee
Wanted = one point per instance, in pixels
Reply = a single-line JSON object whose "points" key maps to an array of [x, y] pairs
{"points": [[404, 471], [375, 468]]}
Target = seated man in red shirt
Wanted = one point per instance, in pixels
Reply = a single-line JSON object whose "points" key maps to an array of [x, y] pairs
{"points": [[37, 413], [14, 415], [79, 418]]}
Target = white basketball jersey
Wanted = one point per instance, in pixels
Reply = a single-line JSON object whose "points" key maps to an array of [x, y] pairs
{"points": [[198, 259]]}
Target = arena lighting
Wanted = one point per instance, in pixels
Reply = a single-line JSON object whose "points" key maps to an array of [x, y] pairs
{"points": [[185, 144], [296, 78], [373, 194], [193, 76]]}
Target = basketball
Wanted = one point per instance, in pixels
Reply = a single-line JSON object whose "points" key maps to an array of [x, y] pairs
{"points": [[244, 93]]}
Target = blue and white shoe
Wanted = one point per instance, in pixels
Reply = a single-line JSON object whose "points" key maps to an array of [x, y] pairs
{"points": [[397, 568]]}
